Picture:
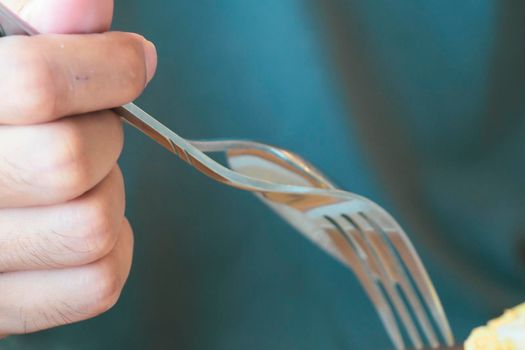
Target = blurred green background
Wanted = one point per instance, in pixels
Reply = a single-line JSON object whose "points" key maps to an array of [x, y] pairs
{"points": [[418, 105]]}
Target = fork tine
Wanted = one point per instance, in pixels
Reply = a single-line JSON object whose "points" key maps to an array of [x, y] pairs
{"points": [[375, 239], [385, 275], [354, 260], [399, 241]]}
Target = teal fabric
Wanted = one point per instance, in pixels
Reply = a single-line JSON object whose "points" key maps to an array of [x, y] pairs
{"points": [[418, 105]]}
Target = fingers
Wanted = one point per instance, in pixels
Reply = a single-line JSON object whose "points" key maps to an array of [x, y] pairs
{"points": [[70, 234], [66, 295], [52, 76], [65, 245], [65, 16], [52, 163]]}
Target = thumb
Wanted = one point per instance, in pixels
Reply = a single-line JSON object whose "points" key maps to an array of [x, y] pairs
{"points": [[65, 16]]}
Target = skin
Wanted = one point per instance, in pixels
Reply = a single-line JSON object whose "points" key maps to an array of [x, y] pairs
{"points": [[65, 243]]}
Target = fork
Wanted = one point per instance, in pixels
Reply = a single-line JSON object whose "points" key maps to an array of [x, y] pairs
{"points": [[358, 233], [351, 228]]}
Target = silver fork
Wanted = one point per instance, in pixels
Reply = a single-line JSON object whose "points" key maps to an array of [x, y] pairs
{"points": [[351, 228], [358, 233]]}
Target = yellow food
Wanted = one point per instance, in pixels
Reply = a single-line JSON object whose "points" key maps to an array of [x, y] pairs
{"points": [[503, 333]]}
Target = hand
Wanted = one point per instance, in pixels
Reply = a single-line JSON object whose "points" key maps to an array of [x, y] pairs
{"points": [[65, 244]]}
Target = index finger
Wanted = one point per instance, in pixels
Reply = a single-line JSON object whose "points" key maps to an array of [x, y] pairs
{"points": [[46, 77]]}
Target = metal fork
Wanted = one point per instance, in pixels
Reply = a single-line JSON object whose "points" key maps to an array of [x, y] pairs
{"points": [[358, 233], [351, 228]]}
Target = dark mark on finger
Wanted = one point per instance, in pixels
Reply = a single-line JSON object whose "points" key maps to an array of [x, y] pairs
{"points": [[81, 77]]}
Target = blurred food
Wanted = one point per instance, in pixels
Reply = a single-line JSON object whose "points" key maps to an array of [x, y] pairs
{"points": [[506, 332]]}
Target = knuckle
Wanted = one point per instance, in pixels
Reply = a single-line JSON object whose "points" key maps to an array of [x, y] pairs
{"points": [[99, 232], [38, 85], [64, 168], [105, 289]]}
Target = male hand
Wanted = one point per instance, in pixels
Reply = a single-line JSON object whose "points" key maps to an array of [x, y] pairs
{"points": [[65, 244]]}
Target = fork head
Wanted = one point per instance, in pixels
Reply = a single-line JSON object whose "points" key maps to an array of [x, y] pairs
{"points": [[359, 234]]}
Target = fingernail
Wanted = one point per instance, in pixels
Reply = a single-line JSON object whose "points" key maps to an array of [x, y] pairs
{"points": [[151, 59]]}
